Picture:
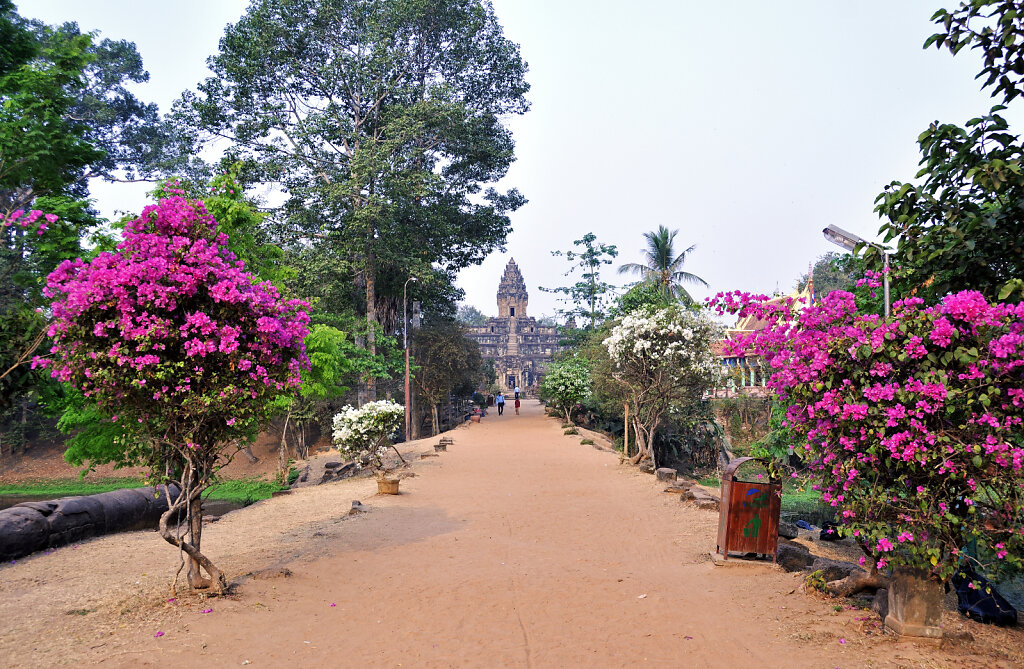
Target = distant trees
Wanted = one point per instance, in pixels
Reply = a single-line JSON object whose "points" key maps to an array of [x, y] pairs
{"points": [[449, 363], [470, 315], [833, 271], [663, 267]]}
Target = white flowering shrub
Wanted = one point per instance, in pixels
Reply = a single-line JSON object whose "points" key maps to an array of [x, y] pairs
{"points": [[664, 361], [368, 430], [566, 384]]}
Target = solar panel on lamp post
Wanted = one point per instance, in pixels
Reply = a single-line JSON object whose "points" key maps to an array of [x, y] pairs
{"points": [[850, 241]]}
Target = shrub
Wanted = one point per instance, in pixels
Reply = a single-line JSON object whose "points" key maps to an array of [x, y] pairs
{"points": [[912, 426]]}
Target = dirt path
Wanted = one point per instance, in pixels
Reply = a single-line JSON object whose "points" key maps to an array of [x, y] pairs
{"points": [[517, 548]]}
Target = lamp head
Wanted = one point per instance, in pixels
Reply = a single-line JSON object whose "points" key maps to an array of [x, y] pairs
{"points": [[840, 237]]}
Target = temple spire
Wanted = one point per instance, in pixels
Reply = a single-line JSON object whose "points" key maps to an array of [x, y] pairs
{"points": [[512, 295]]}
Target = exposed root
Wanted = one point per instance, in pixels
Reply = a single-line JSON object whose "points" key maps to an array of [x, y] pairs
{"points": [[857, 582]]}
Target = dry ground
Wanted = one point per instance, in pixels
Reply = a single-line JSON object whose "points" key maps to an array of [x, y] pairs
{"points": [[519, 547]]}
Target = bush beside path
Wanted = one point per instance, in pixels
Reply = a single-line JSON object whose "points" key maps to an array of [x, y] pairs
{"points": [[519, 547]]}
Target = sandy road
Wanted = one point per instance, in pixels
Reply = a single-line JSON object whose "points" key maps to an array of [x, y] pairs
{"points": [[517, 548]]}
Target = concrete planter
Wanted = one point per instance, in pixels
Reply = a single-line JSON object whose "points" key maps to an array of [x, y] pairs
{"points": [[915, 604]]}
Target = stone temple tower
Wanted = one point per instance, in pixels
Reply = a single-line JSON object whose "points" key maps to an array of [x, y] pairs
{"points": [[512, 296], [520, 347]]}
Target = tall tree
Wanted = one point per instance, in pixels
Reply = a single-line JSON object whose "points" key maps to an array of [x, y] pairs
{"points": [[958, 225], [383, 121], [587, 296], [65, 116], [663, 267]]}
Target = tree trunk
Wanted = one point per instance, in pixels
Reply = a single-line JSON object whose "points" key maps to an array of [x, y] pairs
{"points": [[190, 502], [434, 420], [371, 312], [24, 424], [282, 456], [249, 455], [625, 428]]}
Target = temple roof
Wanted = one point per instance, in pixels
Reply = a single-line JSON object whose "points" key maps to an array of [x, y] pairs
{"points": [[511, 280]]}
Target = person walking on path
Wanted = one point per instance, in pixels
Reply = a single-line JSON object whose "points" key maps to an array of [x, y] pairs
{"points": [[500, 402], [517, 392], [517, 404]]}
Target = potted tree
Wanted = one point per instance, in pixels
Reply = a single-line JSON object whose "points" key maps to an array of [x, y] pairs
{"points": [[365, 433]]}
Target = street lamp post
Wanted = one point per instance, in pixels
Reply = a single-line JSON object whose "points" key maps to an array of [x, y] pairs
{"points": [[405, 343], [850, 241]]}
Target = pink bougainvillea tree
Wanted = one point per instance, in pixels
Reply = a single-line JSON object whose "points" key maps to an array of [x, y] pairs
{"points": [[172, 338], [912, 426]]}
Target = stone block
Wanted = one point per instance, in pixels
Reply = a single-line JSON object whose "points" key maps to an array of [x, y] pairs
{"points": [[793, 557], [833, 570], [915, 604], [665, 474], [788, 530]]}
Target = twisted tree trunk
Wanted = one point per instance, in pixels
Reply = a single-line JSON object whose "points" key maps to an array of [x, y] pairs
{"points": [[189, 502]]}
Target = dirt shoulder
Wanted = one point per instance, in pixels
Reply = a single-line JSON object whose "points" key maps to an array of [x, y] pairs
{"points": [[519, 547]]}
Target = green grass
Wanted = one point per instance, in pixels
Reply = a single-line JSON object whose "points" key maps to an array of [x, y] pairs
{"points": [[244, 492], [69, 487], [586, 442]]}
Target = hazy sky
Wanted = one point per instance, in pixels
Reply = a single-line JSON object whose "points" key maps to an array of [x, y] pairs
{"points": [[746, 125]]}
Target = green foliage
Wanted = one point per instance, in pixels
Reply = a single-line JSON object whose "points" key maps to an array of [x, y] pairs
{"points": [[588, 295], [586, 442], [663, 267], [448, 361], [644, 295], [816, 581], [328, 349], [834, 271], [777, 444], [957, 224], [470, 315], [571, 430]]}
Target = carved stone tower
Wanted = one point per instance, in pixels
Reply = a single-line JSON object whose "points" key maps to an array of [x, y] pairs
{"points": [[512, 296]]}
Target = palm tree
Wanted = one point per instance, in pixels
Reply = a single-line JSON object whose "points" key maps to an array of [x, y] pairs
{"points": [[663, 267]]}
